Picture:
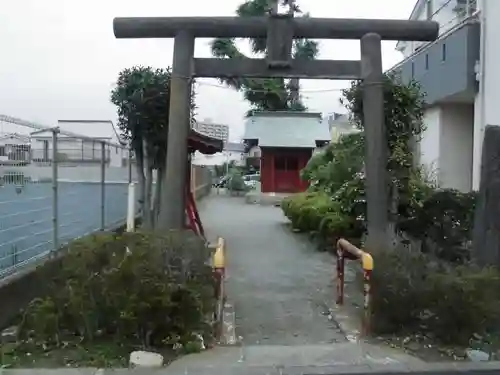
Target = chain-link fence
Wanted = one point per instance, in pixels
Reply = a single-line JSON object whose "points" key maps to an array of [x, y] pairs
{"points": [[56, 186]]}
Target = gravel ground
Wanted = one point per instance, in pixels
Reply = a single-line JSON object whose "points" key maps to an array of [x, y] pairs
{"points": [[280, 285]]}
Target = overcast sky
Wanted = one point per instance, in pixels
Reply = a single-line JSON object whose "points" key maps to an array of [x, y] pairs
{"points": [[59, 58]]}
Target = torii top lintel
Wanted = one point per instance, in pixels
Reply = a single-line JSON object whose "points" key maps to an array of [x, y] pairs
{"points": [[257, 27]]}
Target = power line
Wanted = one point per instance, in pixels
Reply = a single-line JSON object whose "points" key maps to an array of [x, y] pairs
{"points": [[266, 91], [314, 91]]}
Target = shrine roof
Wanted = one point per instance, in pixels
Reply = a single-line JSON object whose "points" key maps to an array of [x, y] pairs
{"points": [[203, 143], [287, 129]]}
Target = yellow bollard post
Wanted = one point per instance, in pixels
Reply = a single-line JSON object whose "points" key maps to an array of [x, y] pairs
{"points": [[367, 264], [218, 258], [218, 264]]}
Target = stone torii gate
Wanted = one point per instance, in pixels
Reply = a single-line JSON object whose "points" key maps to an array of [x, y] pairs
{"points": [[280, 30]]}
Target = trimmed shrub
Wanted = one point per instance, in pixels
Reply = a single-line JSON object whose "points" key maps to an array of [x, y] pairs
{"points": [[415, 293], [335, 225], [307, 210], [148, 289], [443, 220]]}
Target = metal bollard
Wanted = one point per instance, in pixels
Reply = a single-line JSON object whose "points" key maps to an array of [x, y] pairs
{"points": [[219, 265], [345, 250]]}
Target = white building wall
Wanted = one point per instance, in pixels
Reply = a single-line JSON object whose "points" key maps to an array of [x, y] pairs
{"points": [[446, 145], [431, 142], [487, 102], [456, 145]]}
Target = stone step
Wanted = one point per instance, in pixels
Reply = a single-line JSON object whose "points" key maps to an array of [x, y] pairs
{"points": [[223, 360]]}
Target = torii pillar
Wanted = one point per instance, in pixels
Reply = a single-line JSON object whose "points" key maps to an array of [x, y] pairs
{"points": [[280, 30]]}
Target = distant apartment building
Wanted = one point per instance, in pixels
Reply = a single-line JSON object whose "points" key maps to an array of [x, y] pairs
{"points": [[207, 127], [339, 124], [460, 75]]}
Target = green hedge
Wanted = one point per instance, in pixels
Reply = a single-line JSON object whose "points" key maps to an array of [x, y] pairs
{"points": [[318, 213], [146, 289], [415, 293], [435, 291]]}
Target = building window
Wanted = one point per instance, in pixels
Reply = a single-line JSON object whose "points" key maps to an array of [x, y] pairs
{"points": [[443, 52], [426, 61]]}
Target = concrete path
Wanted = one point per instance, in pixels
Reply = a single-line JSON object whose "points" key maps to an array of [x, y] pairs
{"points": [[280, 286]]}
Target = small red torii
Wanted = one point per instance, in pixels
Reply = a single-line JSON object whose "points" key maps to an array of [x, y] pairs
{"points": [[207, 146]]}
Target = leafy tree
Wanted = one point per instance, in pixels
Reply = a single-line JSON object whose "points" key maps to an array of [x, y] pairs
{"points": [[337, 163], [142, 97], [403, 110], [271, 94]]}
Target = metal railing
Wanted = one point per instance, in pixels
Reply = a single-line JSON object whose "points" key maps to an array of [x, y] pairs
{"points": [[50, 200], [347, 251]]}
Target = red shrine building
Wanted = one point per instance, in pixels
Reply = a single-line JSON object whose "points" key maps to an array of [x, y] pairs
{"points": [[285, 141]]}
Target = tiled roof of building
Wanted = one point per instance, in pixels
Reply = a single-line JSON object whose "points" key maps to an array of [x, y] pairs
{"points": [[287, 129]]}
